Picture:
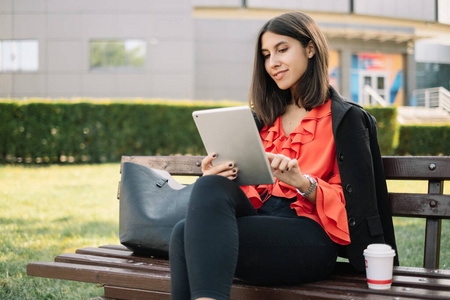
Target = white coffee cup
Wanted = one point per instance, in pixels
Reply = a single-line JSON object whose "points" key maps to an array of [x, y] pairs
{"points": [[379, 264]]}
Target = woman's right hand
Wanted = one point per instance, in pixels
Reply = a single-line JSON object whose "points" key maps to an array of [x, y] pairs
{"points": [[225, 169]]}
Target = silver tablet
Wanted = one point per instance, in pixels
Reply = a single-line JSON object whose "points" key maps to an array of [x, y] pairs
{"points": [[232, 133]]}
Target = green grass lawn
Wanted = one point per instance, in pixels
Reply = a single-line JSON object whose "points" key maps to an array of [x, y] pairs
{"points": [[46, 211]]}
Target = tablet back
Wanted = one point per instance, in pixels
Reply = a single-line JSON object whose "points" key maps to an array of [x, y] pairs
{"points": [[232, 133]]}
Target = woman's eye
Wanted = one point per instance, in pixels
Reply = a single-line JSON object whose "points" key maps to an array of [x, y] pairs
{"points": [[266, 55], [282, 50]]}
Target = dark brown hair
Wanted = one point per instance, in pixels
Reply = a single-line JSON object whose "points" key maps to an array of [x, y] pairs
{"points": [[269, 101]]}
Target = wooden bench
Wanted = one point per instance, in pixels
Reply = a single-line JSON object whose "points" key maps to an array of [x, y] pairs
{"points": [[125, 275]]}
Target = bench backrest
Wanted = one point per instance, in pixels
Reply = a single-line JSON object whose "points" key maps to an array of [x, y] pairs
{"points": [[434, 206]]}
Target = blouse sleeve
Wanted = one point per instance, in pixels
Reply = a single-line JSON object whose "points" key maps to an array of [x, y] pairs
{"points": [[330, 207]]}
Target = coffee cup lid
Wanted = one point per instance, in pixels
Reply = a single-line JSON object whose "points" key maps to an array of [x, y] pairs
{"points": [[379, 250]]}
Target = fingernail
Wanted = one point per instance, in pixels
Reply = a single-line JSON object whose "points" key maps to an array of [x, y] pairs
{"points": [[230, 164], [214, 155], [234, 170], [287, 169]]}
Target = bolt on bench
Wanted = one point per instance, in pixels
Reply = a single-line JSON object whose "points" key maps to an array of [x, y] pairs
{"points": [[125, 275]]}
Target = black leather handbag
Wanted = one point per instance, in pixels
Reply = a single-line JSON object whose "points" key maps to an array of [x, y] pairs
{"points": [[151, 203]]}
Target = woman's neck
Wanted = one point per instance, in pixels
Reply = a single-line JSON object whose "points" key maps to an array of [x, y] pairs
{"points": [[292, 118]]}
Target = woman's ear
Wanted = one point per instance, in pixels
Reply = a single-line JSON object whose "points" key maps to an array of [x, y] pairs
{"points": [[310, 49]]}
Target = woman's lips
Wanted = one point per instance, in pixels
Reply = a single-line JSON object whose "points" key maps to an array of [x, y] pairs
{"points": [[279, 75]]}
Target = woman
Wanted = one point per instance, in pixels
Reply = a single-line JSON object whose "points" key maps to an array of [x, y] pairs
{"points": [[329, 192]]}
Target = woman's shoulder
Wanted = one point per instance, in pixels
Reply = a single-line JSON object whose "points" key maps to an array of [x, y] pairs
{"points": [[342, 108]]}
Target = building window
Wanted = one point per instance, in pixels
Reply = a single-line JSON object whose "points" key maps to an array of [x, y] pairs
{"points": [[19, 55], [430, 75], [117, 55]]}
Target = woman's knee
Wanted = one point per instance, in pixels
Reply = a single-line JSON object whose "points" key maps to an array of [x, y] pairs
{"points": [[177, 236], [213, 190], [216, 193], [211, 183]]}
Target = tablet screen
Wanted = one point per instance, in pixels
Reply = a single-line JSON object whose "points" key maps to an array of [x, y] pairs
{"points": [[232, 133]]}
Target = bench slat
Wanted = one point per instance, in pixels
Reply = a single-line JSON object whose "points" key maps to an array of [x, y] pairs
{"points": [[420, 205], [175, 165], [114, 247], [114, 292], [416, 167], [148, 279], [405, 280], [113, 262], [239, 293], [426, 283], [243, 292], [422, 272], [121, 254], [396, 290]]}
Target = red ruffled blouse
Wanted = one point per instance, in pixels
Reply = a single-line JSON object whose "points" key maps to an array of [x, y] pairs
{"points": [[312, 144]]}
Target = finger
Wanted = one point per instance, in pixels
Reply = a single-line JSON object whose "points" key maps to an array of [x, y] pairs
{"points": [[270, 156], [232, 177], [207, 161], [293, 163], [283, 166], [220, 169], [232, 174], [276, 161], [224, 167]]}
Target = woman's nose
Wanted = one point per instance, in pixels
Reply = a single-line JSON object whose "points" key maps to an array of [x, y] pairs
{"points": [[274, 61]]}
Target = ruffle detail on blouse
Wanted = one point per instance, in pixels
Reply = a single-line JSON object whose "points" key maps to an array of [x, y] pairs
{"points": [[298, 137], [332, 215], [274, 137], [270, 134]]}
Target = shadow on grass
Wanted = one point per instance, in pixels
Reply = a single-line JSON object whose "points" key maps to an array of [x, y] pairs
{"points": [[25, 241]]}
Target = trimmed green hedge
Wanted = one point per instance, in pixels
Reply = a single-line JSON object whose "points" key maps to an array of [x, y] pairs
{"points": [[94, 132], [424, 140], [387, 127]]}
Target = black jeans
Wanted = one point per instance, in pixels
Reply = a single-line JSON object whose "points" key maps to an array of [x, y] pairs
{"points": [[224, 237]]}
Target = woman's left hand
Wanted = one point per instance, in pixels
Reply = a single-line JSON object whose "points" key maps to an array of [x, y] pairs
{"points": [[286, 170]]}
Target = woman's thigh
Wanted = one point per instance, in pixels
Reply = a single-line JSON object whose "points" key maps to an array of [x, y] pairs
{"points": [[278, 250]]}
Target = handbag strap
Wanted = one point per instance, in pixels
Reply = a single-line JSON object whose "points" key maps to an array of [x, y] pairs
{"points": [[161, 182]]}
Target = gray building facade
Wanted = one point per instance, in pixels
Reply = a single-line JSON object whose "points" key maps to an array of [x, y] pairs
{"points": [[203, 49], [65, 31]]}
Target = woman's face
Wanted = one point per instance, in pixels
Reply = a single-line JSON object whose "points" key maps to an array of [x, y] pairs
{"points": [[285, 58]]}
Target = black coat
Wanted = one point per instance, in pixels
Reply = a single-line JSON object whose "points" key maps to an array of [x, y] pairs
{"points": [[363, 180]]}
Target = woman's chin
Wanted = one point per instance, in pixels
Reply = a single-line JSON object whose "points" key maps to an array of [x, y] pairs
{"points": [[283, 87]]}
